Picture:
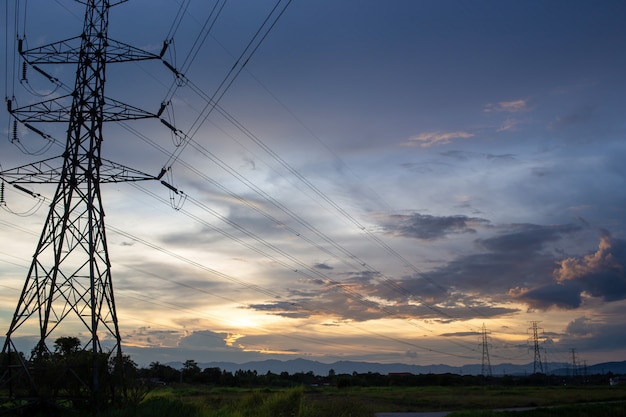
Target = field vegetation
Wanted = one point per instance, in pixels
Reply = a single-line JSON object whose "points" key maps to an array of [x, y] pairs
{"points": [[162, 391], [331, 401]]}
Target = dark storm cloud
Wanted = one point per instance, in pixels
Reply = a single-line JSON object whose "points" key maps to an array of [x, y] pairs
{"points": [[463, 156], [527, 238], [283, 309], [521, 257], [427, 227], [485, 274], [580, 326], [203, 339], [460, 334], [550, 295], [515, 265], [589, 335], [340, 302], [601, 275], [360, 298], [200, 345]]}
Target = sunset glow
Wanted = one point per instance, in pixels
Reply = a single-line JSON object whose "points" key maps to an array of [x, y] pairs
{"points": [[379, 181]]}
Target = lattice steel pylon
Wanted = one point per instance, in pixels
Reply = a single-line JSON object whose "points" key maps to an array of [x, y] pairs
{"points": [[486, 363], [537, 363], [68, 287]]}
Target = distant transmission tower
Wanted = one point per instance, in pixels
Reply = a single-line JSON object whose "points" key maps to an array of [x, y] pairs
{"points": [[575, 365], [537, 364], [486, 365], [68, 287]]}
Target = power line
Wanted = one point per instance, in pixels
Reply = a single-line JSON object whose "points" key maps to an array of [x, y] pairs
{"points": [[195, 48], [188, 140], [386, 281], [272, 294], [390, 283], [268, 292], [68, 284], [182, 10], [243, 59], [300, 268]]}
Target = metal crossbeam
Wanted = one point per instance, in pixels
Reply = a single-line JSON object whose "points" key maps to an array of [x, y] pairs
{"points": [[68, 287]]}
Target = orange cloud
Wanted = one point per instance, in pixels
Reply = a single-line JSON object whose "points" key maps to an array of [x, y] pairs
{"points": [[427, 139], [231, 338], [599, 261]]}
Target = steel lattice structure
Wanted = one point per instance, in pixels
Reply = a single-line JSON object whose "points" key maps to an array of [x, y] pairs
{"points": [[69, 281], [537, 364], [486, 362]]}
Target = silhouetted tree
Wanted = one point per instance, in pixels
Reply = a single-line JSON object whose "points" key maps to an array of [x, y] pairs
{"points": [[162, 372], [191, 371], [67, 345], [211, 376]]}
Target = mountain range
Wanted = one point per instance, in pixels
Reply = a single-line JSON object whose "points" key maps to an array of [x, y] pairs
{"points": [[348, 367]]}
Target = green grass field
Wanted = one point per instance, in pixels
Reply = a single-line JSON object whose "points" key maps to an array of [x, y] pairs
{"points": [[464, 401], [198, 401]]}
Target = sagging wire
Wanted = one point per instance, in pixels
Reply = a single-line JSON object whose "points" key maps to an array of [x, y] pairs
{"points": [[177, 136], [28, 87], [180, 79], [177, 197], [14, 138], [40, 200]]}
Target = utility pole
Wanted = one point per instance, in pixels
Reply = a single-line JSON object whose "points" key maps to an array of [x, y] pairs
{"points": [[537, 364], [68, 287], [486, 364]]}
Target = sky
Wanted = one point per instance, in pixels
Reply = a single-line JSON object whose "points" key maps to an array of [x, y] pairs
{"points": [[379, 181]]}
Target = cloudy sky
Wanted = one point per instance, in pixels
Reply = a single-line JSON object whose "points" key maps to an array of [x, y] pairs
{"points": [[377, 182]]}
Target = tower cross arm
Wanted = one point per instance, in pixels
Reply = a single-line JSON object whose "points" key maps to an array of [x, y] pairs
{"points": [[114, 172], [53, 110], [61, 52], [68, 52], [42, 172], [58, 110], [49, 171], [121, 52], [116, 111]]}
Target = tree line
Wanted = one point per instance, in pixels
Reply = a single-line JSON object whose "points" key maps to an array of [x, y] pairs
{"points": [[69, 355], [191, 373]]}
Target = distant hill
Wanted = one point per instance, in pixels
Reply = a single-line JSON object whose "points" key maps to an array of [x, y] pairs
{"points": [[348, 367]]}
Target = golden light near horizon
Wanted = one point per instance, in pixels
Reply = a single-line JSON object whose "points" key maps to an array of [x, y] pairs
{"points": [[355, 193], [237, 317]]}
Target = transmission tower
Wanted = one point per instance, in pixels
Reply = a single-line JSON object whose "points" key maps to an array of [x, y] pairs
{"points": [[486, 365], [537, 364], [68, 287], [575, 364]]}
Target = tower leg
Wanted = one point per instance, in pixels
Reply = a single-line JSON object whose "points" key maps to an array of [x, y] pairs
{"points": [[68, 292]]}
